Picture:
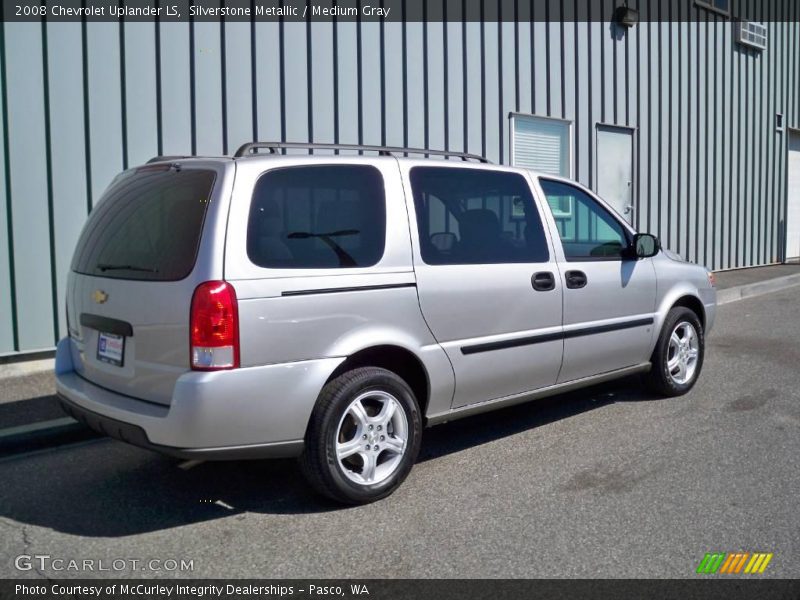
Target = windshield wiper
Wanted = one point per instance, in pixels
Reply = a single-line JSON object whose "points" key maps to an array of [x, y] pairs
{"points": [[107, 267], [345, 260]]}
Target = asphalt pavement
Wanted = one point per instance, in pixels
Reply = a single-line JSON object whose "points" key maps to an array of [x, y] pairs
{"points": [[606, 482]]}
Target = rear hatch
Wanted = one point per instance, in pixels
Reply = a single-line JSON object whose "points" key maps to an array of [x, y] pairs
{"points": [[132, 278]]}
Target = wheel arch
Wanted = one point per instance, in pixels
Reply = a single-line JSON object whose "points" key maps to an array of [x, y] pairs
{"points": [[694, 304], [397, 359]]}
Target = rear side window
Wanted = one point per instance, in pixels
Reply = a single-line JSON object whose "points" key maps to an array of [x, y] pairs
{"points": [[473, 216], [313, 217], [147, 226]]}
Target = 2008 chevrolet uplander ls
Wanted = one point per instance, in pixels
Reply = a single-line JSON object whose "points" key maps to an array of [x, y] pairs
{"points": [[329, 306]]}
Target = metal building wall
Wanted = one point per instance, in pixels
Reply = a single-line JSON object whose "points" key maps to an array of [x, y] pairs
{"points": [[81, 102]]}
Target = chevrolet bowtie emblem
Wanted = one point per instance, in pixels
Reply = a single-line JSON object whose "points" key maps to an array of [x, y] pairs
{"points": [[99, 296]]}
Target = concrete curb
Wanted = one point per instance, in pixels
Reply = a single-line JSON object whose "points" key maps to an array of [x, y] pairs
{"points": [[741, 292], [29, 367]]}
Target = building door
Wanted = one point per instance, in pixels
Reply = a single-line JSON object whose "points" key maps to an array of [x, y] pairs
{"points": [[793, 201], [614, 168]]}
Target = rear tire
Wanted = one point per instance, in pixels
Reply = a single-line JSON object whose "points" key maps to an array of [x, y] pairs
{"points": [[678, 356], [363, 436]]}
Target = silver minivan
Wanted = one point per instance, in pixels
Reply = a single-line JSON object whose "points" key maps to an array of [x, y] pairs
{"points": [[329, 306]]}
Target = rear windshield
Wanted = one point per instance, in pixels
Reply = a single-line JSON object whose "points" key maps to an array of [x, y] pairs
{"points": [[317, 216], [147, 226]]}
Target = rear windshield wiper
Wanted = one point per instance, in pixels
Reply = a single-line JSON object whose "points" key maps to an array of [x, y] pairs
{"points": [[107, 267], [345, 260]]}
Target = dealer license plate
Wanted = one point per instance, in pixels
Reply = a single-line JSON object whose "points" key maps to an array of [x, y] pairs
{"points": [[111, 348]]}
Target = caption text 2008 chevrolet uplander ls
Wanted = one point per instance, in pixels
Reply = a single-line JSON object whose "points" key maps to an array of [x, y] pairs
{"points": [[330, 306]]}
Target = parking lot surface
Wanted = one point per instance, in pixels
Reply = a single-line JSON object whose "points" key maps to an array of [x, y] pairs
{"points": [[608, 482]]}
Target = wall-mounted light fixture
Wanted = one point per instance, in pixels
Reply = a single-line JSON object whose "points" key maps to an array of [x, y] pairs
{"points": [[626, 17]]}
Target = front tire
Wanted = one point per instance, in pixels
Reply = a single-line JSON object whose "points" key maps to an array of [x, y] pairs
{"points": [[363, 436], [678, 357]]}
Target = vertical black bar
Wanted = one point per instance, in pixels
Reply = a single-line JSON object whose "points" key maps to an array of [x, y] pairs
{"points": [[563, 65], [382, 43], [483, 81], [159, 91], [192, 82], [87, 139], [740, 195], [752, 170], [547, 50], [359, 81], [602, 66], [679, 145], [516, 55], [766, 126], [769, 162], [49, 174], [780, 103], [698, 199], [660, 127], [784, 139], [706, 179], [669, 199], [425, 85], [533, 57], [590, 98], [712, 232], [724, 198], [405, 77], [614, 97], [578, 123], [500, 96], [223, 73], [689, 87], [638, 185], [734, 201], [335, 82], [282, 74], [627, 79], [123, 95], [309, 81], [253, 71], [465, 94], [12, 278]]}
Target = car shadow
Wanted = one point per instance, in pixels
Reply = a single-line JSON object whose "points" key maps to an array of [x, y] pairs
{"points": [[105, 488]]}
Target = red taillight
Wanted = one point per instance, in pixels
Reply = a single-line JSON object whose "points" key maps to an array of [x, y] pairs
{"points": [[214, 327]]}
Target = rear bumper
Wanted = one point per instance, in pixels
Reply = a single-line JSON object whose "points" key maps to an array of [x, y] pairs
{"points": [[256, 412], [136, 435]]}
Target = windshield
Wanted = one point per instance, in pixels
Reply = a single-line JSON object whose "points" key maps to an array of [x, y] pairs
{"points": [[147, 225]]}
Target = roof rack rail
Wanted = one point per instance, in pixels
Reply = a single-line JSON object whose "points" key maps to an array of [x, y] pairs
{"points": [[273, 147]]}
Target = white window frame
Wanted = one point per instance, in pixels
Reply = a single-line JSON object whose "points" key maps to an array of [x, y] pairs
{"points": [[570, 137], [710, 5]]}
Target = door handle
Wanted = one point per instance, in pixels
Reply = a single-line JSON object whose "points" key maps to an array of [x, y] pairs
{"points": [[575, 279], [543, 281]]}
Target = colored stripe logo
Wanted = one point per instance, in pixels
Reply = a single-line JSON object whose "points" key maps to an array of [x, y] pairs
{"points": [[734, 563]]}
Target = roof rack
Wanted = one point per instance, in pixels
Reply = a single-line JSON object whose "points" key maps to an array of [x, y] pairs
{"points": [[273, 147]]}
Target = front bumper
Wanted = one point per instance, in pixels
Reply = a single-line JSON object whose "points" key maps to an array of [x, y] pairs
{"points": [[254, 412], [709, 299]]}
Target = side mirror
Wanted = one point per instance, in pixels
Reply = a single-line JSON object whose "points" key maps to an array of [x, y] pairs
{"points": [[644, 246]]}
